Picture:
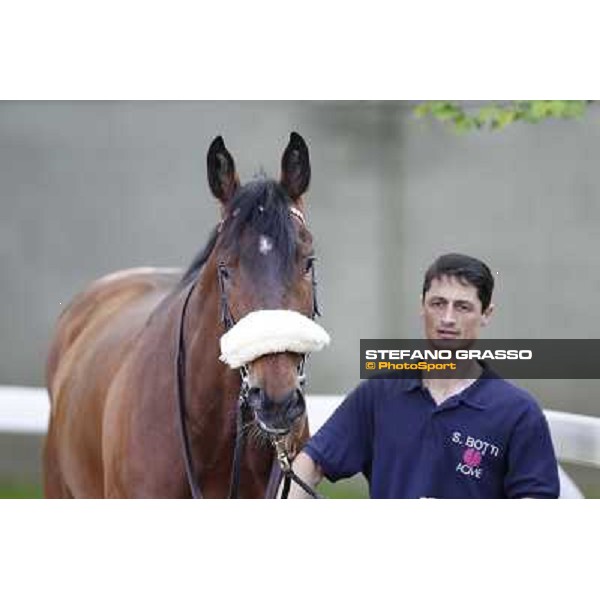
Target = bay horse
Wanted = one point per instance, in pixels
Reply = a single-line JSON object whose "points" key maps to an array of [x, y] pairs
{"points": [[154, 375]]}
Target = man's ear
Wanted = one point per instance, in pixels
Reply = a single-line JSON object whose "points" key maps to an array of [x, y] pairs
{"points": [[487, 314], [222, 177]]}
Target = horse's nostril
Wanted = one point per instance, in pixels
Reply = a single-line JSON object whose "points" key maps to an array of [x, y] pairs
{"points": [[300, 398], [277, 415], [256, 398], [296, 406]]}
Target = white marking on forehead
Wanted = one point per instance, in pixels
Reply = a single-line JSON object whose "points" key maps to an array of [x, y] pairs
{"points": [[265, 245]]}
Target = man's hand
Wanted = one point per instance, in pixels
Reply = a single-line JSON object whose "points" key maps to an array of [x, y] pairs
{"points": [[307, 470]]}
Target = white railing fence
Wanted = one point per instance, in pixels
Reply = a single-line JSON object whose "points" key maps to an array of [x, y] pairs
{"points": [[576, 437]]}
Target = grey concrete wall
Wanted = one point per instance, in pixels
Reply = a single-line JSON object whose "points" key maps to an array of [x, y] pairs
{"points": [[88, 188]]}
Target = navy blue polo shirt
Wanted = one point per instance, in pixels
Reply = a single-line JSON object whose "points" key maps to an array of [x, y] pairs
{"points": [[489, 441]]}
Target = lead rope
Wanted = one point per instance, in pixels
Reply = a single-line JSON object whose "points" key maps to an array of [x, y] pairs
{"points": [[181, 405], [236, 467], [288, 472], [180, 370]]}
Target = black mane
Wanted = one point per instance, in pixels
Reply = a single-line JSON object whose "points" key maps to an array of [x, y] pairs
{"points": [[262, 206], [192, 271]]}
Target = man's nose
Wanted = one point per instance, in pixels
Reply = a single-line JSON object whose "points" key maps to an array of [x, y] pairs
{"points": [[449, 316]]}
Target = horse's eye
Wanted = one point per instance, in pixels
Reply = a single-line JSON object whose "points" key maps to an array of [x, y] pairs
{"points": [[310, 261], [224, 272]]}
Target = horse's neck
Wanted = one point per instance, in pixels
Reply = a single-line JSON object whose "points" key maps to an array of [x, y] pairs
{"points": [[210, 383]]}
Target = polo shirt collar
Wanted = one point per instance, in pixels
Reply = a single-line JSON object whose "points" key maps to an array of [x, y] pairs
{"points": [[469, 396]]}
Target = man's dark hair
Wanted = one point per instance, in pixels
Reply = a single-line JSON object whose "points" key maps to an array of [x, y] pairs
{"points": [[465, 268]]}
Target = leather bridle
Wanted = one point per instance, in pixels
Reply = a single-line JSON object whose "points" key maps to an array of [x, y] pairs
{"points": [[281, 466]]}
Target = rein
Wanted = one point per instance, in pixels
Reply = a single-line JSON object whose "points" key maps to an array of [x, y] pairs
{"points": [[281, 466]]}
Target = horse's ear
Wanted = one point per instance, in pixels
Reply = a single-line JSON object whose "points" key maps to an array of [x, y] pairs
{"points": [[222, 178], [295, 167]]}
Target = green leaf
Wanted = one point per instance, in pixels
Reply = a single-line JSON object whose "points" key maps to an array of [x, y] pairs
{"points": [[506, 118], [463, 124], [495, 116], [422, 110]]}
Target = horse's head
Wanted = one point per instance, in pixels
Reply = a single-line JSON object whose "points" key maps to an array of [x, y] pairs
{"points": [[264, 262]]}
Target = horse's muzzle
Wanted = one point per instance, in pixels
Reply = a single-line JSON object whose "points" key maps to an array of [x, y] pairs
{"points": [[276, 416]]}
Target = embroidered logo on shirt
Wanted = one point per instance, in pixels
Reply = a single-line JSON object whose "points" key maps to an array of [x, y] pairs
{"points": [[472, 457]]}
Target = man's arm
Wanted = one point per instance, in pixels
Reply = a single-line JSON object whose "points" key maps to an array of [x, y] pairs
{"points": [[308, 471], [531, 461], [341, 447]]}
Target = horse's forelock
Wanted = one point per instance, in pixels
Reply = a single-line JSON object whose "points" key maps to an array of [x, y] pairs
{"points": [[263, 208], [260, 208]]}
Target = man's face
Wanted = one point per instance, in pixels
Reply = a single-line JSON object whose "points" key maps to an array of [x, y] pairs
{"points": [[451, 310]]}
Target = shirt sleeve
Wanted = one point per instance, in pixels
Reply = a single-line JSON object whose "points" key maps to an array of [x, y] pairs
{"points": [[532, 467], [342, 447]]}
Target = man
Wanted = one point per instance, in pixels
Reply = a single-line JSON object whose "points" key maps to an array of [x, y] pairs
{"points": [[476, 436]]}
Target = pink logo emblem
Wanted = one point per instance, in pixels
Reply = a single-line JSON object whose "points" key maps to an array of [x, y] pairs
{"points": [[472, 458]]}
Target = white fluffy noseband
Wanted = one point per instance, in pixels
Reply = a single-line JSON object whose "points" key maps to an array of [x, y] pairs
{"points": [[269, 331]]}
